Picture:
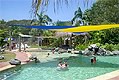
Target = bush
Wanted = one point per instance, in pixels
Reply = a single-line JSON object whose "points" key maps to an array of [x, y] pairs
{"points": [[109, 47], [81, 47], [117, 47]]}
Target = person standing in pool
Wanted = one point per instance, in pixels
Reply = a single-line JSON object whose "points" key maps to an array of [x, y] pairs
{"points": [[91, 60], [94, 60], [53, 50]]}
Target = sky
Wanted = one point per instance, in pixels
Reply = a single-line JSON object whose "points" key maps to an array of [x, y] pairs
{"points": [[21, 9]]}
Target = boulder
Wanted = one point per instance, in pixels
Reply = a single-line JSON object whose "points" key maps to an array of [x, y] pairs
{"points": [[2, 57], [115, 52], [15, 62], [109, 53], [101, 51], [69, 50], [75, 52], [88, 52], [34, 58]]}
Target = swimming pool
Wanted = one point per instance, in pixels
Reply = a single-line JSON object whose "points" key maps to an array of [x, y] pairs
{"points": [[80, 68]]}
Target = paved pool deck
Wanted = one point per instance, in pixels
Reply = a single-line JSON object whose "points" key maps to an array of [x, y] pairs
{"points": [[114, 78], [108, 76], [22, 56]]}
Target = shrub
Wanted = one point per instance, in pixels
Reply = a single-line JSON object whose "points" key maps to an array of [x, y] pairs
{"points": [[81, 47], [117, 47], [109, 47]]}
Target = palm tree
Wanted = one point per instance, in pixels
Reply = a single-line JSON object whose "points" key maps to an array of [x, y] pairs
{"points": [[43, 20], [79, 18]]}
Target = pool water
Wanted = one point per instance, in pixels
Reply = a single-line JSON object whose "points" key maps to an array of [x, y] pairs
{"points": [[80, 68]]}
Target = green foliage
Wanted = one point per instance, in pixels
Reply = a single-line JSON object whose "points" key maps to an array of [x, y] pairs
{"points": [[8, 56], [3, 32], [48, 33], [63, 23], [35, 32], [98, 44], [19, 22], [104, 12], [117, 47], [16, 30], [34, 46], [3, 35], [110, 47], [79, 18], [58, 42], [81, 47], [43, 20]]}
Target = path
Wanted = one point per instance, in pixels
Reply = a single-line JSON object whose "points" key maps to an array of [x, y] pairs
{"points": [[22, 56]]}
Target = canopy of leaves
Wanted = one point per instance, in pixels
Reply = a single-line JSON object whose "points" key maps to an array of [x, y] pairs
{"points": [[104, 12]]}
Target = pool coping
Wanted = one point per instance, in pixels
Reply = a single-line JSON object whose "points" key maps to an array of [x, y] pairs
{"points": [[106, 76], [6, 67]]}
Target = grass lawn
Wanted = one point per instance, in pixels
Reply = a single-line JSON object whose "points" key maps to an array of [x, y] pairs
{"points": [[8, 56], [34, 46]]}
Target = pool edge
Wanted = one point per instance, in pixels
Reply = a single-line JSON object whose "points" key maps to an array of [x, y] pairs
{"points": [[106, 76]]}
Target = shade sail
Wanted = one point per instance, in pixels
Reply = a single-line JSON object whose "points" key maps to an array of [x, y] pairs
{"points": [[49, 27], [45, 27], [89, 28]]}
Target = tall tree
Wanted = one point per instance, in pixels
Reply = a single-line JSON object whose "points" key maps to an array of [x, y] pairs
{"points": [[3, 32], [104, 12], [43, 20], [79, 17]]}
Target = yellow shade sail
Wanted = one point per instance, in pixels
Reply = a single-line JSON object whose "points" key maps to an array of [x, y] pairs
{"points": [[89, 28]]}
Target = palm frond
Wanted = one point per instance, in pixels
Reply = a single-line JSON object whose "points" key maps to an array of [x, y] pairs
{"points": [[38, 4], [41, 4]]}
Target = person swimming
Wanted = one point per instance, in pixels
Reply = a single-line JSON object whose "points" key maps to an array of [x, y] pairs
{"points": [[65, 65], [62, 66]]}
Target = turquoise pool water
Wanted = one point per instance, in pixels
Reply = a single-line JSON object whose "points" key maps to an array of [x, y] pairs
{"points": [[80, 68]]}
